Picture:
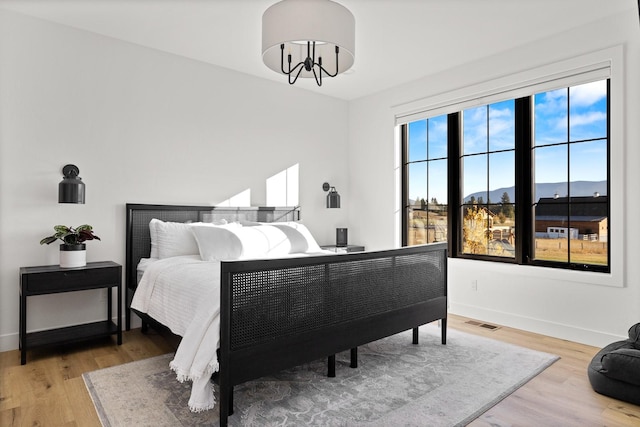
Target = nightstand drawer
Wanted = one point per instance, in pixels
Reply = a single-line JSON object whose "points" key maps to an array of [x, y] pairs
{"points": [[60, 281]]}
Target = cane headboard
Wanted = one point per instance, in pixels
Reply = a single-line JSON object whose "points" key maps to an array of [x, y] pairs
{"points": [[139, 216]]}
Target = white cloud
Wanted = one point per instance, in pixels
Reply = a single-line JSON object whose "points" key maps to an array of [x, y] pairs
{"points": [[501, 128], [475, 129], [587, 118], [580, 120], [584, 95], [551, 102], [500, 122], [495, 113], [588, 94], [439, 128]]}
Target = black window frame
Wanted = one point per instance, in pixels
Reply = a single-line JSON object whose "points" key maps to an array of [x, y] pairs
{"points": [[406, 162], [524, 190]]}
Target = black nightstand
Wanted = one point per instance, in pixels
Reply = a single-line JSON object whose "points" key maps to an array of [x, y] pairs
{"points": [[51, 279], [343, 249]]}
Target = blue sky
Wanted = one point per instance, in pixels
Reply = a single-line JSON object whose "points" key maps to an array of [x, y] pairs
{"points": [[586, 111], [587, 120]]}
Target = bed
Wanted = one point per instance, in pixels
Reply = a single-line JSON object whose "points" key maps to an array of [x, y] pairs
{"points": [[280, 312]]}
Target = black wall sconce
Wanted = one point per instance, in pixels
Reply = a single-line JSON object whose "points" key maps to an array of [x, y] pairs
{"points": [[333, 198], [71, 188]]}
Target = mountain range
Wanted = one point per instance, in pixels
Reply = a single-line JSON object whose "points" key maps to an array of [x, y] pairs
{"points": [[578, 188]]}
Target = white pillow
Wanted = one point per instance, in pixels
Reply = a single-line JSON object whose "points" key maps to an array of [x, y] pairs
{"points": [[266, 240], [229, 243], [270, 240], [299, 235], [175, 239], [153, 231]]}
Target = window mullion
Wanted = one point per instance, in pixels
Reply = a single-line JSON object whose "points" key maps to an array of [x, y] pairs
{"points": [[405, 183], [487, 207], [569, 176], [454, 211], [524, 181]]}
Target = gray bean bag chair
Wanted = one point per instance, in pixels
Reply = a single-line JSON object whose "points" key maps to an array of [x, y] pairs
{"points": [[615, 370]]}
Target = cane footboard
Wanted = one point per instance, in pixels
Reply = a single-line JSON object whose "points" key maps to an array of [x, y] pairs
{"points": [[279, 313]]}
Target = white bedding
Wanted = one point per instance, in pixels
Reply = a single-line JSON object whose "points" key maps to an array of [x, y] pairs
{"points": [[183, 293], [180, 285], [142, 266]]}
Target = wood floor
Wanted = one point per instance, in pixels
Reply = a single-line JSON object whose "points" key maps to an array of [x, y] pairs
{"points": [[49, 390]]}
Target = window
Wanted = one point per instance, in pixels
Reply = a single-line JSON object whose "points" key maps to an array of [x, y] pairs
{"points": [[426, 181], [531, 179], [570, 152], [488, 178]]}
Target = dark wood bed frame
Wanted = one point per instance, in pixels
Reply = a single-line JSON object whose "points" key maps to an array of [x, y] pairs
{"points": [[279, 313]]}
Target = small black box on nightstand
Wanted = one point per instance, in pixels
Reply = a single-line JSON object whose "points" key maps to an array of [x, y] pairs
{"points": [[341, 237]]}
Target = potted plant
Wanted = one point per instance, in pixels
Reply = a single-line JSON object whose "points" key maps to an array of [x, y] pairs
{"points": [[73, 249]]}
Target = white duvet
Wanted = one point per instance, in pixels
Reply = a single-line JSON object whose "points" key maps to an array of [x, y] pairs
{"points": [[183, 293]]}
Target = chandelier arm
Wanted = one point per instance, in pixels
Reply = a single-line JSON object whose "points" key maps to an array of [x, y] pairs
{"points": [[325, 71], [313, 58], [282, 59], [300, 66], [318, 81], [293, 70]]}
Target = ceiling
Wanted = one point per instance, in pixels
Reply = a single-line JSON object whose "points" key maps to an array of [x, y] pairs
{"points": [[397, 41]]}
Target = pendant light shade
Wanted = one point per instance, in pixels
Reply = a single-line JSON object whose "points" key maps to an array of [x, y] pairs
{"points": [[71, 188], [308, 39]]}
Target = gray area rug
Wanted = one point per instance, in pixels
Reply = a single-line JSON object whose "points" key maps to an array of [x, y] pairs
{"points": [[396, 383]]}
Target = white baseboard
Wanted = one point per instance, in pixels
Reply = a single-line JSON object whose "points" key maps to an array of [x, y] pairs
{"points": [[538, 326], [9, 342]]}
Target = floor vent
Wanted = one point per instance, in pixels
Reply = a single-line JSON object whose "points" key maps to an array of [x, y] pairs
{"points": [[483, 325]]}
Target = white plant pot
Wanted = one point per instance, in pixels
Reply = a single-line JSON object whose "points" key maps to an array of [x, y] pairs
{"points": [[73, 255]]}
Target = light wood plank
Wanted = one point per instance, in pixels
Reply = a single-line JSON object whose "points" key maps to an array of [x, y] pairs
{"points": [[49, 389], [84, 413], [561, 395]]}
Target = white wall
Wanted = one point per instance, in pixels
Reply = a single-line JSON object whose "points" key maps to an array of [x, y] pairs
{"points": [[143, 126], [564, 304]]}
